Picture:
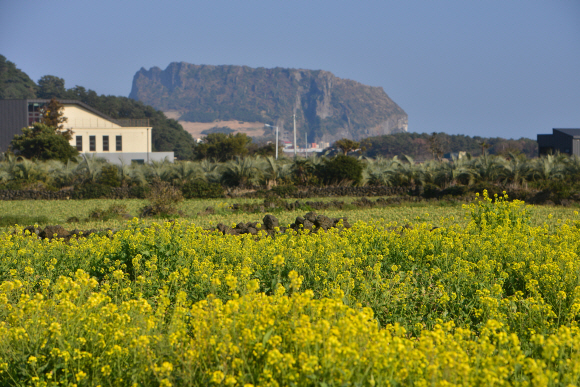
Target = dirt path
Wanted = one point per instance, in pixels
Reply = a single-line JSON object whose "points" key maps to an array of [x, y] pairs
{"points": [[252, 129]]}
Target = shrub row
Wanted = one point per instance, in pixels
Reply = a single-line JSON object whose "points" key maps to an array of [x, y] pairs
{"points": [[552, 194], [192, 190]]}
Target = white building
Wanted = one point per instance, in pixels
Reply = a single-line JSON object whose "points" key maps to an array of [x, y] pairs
{"points": [[94, 133]]}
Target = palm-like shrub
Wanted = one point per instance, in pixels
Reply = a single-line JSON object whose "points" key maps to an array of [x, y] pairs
{"points": [[487, 167], [513, 170], [547, 168], [159, 170], [185, 171], [305, 171], [86, 171], [427, 172], [241, 171], [89, 169], [459, 171], [381, 171], [273, 171], [210, 170]]}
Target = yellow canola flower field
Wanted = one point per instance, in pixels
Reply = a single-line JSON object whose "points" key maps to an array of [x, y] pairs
{"points": [[493, 303]]}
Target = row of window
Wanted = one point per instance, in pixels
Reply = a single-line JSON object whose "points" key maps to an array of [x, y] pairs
{"points": [[93, 143]]}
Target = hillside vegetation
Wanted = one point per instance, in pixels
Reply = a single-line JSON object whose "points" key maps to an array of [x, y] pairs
{"points": [[326, 106], [14, 83]]}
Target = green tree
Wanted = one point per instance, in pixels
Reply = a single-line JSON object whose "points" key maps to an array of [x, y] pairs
{"points": [[42, 142], [223, 147], [264, 150], [110, 176], [53, 116], [50, 86], [342, 168], [346, 145], [435, 146]]}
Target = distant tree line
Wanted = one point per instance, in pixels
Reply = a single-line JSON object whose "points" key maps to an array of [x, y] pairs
{"points": [[424, 146]]}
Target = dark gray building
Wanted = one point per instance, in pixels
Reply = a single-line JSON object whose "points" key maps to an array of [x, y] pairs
{"points": [[561, 140]]}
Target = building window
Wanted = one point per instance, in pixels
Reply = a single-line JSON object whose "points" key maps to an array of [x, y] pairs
{"points": [[92, 143], [119, 143], [34, 112], [80, 143], [105, 143], [138, 161]]}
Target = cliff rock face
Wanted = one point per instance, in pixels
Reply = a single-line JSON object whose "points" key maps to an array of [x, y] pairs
{"points": [[326, 107]]}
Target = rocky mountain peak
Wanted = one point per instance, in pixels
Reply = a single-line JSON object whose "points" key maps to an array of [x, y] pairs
{"points": [[326, 107]]}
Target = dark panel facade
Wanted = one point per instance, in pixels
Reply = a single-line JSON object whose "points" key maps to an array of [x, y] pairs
{"points": [[13, 117], [560, 141]]}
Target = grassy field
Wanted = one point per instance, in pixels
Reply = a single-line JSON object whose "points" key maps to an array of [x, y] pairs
{"points": [[438, 214]]}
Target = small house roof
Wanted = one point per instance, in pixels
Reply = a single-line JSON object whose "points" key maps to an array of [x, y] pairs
{"points": [[570, 132]]}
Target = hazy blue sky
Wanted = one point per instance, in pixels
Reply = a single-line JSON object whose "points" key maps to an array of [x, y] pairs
{"points": [[483, 67]]}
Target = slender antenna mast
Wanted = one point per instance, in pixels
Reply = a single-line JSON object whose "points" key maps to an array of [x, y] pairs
{"points": [[276, 143], [294, 135]]}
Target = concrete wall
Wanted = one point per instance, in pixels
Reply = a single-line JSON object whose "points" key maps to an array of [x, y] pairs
{"points": [[128, 157]]}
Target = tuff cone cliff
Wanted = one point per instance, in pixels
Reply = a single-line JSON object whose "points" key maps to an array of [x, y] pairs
{"points": [[327, 107]]}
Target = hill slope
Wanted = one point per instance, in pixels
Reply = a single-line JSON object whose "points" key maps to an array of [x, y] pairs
{"points": [[327, 107], [14, 83]]}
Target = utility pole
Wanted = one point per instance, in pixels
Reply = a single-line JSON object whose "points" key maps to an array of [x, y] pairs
{"points": [[276, 138], [306, 144], [295, 135]]}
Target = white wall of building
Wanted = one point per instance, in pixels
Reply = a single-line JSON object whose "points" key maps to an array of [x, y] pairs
{"points": [[84, 123], [78, 117], [132, 139]]}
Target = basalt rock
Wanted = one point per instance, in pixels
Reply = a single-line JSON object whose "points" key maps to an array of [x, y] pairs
{"points": [[57, 231], [270, 222], [323, 222], [270, 225], [310, 216]]}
